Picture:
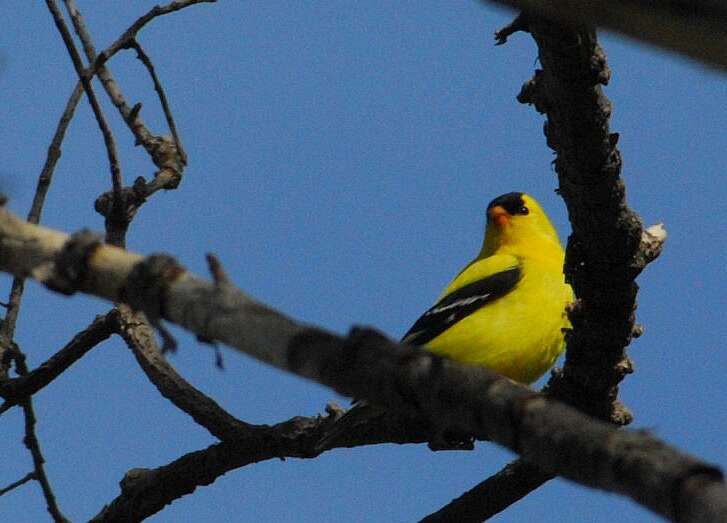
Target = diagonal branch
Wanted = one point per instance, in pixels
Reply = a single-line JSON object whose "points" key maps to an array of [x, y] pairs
{"points": [[145, 492], [140, 338], [88, 88], [130, 34], [493, 495], [450, 397], [7, 327], [144, 58], [30, 476], [17, 389]]}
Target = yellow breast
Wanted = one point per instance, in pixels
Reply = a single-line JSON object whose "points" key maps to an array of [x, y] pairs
{"points": [[519, 335]]}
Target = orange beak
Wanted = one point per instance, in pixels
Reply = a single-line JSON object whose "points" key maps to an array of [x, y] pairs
{"points": [[499, 216]]}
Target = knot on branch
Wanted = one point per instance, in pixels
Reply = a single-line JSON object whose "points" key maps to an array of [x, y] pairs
{"points": [[599, 66], [70, 265], [592, 390], [125, 207], [532, 93], [167, 157], [651, 245], [145, 290], [134, 478]]}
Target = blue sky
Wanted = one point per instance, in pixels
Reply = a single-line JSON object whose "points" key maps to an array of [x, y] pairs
{"points": [[341, 156]]}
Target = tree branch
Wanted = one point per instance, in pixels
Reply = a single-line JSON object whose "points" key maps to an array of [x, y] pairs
{"points": [[91, 95], [694, 28], [33, 445], [30, 476], [130, 34], [16, 389], [140, 338], [492, 496], [608, 247], [451, 397], [120, 207], [144, 59], [145, 492]]}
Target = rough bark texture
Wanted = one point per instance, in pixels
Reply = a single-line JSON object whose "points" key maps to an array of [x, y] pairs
{"points": [[452, 398], [695, 28]]}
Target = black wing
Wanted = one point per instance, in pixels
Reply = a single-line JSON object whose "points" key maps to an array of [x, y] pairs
{"points": [[460, 304]]}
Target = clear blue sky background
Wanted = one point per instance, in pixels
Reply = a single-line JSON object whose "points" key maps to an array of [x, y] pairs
{"points": [[341, 158]]}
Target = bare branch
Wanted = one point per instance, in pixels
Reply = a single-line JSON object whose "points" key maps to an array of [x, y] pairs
{"points": [[33, 445], [696, 28], [452, 397], [140, 338], [120, 207], [608, 247], [130, 34], [54, 154], [16, 389], [22, 481], [165, 179], [144, 58], [141, 489], [93, 101], [493, 495]]}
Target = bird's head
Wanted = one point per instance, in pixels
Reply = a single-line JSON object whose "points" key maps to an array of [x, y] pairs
{"points": [[515, 220]]}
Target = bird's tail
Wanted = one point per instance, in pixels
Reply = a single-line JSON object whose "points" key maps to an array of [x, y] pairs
{"points": [[347, 424]]}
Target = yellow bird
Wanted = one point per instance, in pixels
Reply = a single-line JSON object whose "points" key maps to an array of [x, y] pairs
{"points": [[506, 310]]}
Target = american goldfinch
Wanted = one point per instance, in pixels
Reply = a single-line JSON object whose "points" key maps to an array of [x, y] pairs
{"points": [[506, 310]]}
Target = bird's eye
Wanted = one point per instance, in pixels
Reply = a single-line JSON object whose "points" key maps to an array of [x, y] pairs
{"points": [[524, 210]]}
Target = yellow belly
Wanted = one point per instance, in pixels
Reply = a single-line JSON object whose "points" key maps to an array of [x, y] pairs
{"points": [[519, 335]]}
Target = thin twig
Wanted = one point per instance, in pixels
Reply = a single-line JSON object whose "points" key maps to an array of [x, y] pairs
{"points": [[130, 114], [86, 81], [144, 58], [131, 32], [22, 481], [167, 154], [54, 154], [116, 222], [33, 445], [16, 389]]}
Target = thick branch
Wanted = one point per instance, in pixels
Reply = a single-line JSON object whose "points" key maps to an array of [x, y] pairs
{"points": [[453, 397], [695, 28], [608, 247], [605, 251]]}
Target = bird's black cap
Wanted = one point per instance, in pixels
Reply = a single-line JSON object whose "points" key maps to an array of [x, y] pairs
{"points": [[512, 202]]}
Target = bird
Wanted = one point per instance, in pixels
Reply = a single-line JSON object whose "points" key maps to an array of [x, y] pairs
{"points": [[505, 310]]}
